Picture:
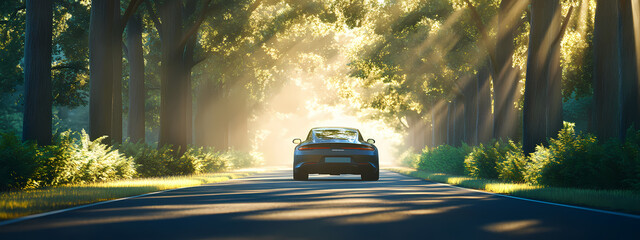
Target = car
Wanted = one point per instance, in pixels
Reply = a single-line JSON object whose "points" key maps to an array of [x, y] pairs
{"points": [[335, 151]]}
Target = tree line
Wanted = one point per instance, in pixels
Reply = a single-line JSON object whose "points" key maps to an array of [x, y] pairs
{"points": [[153, 49], [470, 71], [445, 72]]}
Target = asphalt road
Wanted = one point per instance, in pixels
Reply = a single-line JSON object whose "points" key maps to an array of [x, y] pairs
{"points": [[272, 206]]}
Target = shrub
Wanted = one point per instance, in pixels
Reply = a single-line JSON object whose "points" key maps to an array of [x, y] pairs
{"points": [[240, 159], [410, 159], [18, 162], [444, 159], [631, 170], [573, 160], [213, 161], [483, 161], [512, 168], [152, 162], [74, 158], [537, 161], [90, 161]]}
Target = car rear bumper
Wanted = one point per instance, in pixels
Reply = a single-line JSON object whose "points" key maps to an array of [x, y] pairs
{"points": [[335, 168]]}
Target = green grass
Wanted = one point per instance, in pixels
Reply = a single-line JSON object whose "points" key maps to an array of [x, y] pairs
{"points": [[22, 203], [614, 200]]}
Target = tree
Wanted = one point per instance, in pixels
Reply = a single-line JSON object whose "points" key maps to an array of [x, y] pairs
{"points": [[470, 96], [116, 98], [37, 73], [629, 66], [485, 117], [136, 121], [539, 62], [505, 82], [101, 62], [606, 76], [173, 85]]}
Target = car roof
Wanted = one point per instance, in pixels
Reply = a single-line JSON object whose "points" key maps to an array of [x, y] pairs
{"points": [[332, 128]]}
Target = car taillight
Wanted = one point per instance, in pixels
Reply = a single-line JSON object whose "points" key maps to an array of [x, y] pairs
{"points": [[312, 148], [359, 148]]}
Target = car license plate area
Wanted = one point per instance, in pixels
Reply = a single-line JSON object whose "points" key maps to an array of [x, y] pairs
{"points": [[337, 159]]}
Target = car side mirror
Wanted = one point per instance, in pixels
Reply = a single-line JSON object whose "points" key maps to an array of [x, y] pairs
{"points": [[297, 141], [371, 141]]}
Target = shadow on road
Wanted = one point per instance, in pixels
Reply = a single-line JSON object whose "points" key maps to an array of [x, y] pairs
{"points": [[272, 206]]}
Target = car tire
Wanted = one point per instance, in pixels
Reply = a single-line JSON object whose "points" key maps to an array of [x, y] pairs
{"points": [[300, 176], [372, 176]]}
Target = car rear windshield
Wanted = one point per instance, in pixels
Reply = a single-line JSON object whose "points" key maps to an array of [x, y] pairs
{"points": [[341, 134]]}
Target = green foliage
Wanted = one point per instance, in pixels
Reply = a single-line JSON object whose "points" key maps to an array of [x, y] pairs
{"points": [[573, 160], [18, 162], [577, 160], [208, 160], [153, 162], [483, 161], [68, 160], [149, 161], [239, 159], [537, 162], [410, 159], [512, 168], [444, 159], [90, 161], [73, 158]]}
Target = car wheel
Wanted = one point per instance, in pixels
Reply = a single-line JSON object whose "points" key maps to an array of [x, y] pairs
{"points": [[372, 176], [300, 176]]}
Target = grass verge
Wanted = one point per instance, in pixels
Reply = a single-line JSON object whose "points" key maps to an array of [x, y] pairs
{"points": [[22, 203], [615, 200]]}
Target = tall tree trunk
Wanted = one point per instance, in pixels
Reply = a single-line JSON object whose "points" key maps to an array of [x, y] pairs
{"points": [[485, 117], [101, 64], [535, 97], [506, 83], [414, 133], [116, 115], [554, 79], [37, 73], [439, 121], [173, 90], [189, 9], [629, 67], [450, 123], [428, 134], [211, 117], [470, 91], [606, 76], [136, 129], [459, 134]]}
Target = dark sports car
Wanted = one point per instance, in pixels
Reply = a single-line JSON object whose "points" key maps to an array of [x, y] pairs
{"points": [[335, 151]]}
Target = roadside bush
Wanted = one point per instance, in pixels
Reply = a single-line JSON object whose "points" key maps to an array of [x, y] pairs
{"points": [[410, 159], [152, 162], [512, 168], [631, 168], [90, 161], [444, 159], [211, 160], [483, 161], [537, 161], [573, 160], [240, 159], [18, 162], [578, 160], [74, 158]]}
